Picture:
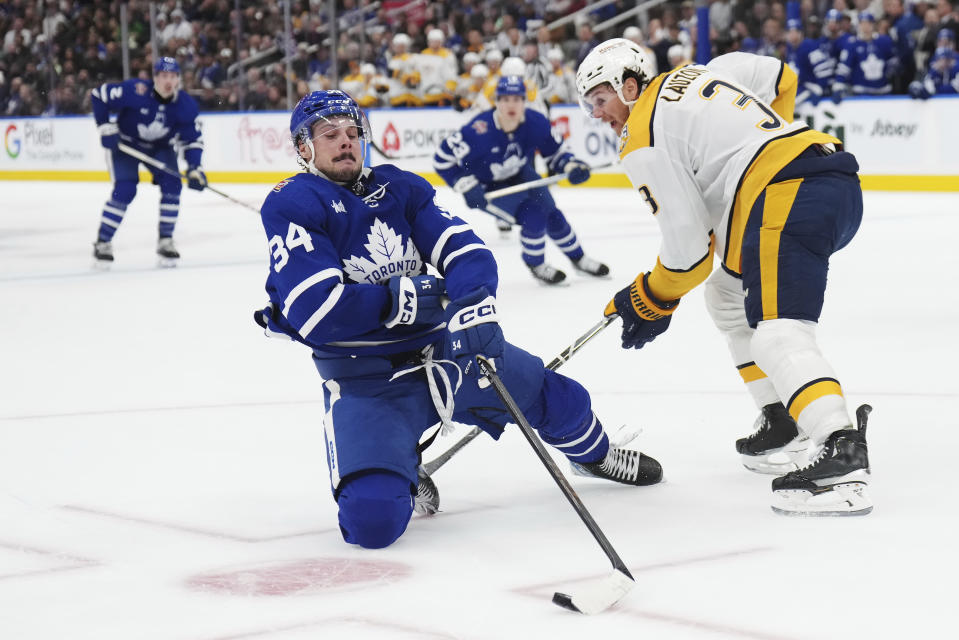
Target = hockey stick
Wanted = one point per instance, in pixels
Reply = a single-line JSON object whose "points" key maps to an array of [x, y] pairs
{"points": [[433, 465], [532, 184], [600, 596], [153, 162]]}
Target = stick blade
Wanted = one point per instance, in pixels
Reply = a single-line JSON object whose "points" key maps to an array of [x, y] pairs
{"points": [[597, 596]]}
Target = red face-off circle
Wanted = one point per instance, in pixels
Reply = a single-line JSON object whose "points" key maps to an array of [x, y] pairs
{"points": [[300, 577]]}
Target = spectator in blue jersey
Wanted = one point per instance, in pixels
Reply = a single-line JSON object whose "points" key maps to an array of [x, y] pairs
{"points": [[351, 250], [943, 75], [497, 149], [794, 38], [156, 119], [867, 63], [817, 59]]}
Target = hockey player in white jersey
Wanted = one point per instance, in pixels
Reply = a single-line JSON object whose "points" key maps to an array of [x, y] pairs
{"points": [[718, 161]]}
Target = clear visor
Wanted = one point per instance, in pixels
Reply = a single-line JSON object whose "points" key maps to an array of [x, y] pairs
{"points": [[353, 121], [598, 96]]}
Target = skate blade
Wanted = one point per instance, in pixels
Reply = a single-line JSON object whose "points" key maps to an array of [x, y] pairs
{"points": [[844, 499], [167, 263], [779, 462], [102, 265]]}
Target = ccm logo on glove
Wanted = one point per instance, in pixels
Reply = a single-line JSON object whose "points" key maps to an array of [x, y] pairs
{"points": [[484, 311]]}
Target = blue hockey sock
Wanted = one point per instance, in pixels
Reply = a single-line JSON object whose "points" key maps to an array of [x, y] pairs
{"points": [[169, 211]]}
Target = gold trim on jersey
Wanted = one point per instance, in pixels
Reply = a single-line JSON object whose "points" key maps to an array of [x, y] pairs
{"points": [[672, 284], [641, 134], [771, 158], [810, 392], [776, 208], [750, 372], [785, 101]]}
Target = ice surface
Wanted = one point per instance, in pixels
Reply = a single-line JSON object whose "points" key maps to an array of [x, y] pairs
{"points": [[162, 471]]}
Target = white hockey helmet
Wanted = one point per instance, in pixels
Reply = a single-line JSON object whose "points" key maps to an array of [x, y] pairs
{"points": [[555, 55], [436, 35], [479, 70], [494, 55], [513, 66], [367, 69], [613, 62], [402, 39], [471, 57]]}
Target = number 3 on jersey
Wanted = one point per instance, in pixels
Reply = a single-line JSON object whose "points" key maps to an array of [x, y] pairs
{"points": [[296, 236]]}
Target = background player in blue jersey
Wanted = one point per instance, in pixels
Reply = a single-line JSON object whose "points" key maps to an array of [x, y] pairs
{"points": [[866, 63], [497, 149], [817, 59], [350, 249], [157, 119], [943, 75]]}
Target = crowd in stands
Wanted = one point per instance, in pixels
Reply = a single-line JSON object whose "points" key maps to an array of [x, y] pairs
{"points": [[417, 52]]}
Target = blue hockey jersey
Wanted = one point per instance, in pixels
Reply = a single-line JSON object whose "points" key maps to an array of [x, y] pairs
{"points": [[865, 66], [147, 121], [943, 75], [333, 248], [496, 158], [817, 59]]}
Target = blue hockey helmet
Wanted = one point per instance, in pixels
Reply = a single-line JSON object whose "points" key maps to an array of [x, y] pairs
{"points": [[510, 86], [166, 63], [865, 16], [946, 34], [794, 23], [833, 15], [333, 106]]}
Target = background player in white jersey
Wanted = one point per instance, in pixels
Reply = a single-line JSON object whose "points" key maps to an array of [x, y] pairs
{"points": [[497, 149], [350, 248], [723, 171], [157, 119]]}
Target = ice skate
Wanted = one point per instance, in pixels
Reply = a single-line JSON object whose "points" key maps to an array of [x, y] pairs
{"points": [[166, 250], [102, 254], [776, 447], [622, 465], [587, 265], [427, 499], [504, 228], [549, 275], [835, 483]]}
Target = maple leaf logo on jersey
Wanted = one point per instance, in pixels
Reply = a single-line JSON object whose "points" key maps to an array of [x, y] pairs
{"points": [[153, 131], [388, 256]]}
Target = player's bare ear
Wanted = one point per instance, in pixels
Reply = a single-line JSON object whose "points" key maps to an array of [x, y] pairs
{"points": [[630, 89]]}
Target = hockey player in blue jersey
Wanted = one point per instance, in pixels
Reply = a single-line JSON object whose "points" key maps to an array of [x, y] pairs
{"points": [[817, 59], [867, 63], [943, 75], [497, 149], [157, 119], [350, 249]]}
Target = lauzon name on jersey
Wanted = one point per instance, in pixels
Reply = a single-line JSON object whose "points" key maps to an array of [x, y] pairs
{"points": [[680, 81]]}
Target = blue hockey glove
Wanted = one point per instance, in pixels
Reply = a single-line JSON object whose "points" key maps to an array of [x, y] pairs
{"points": [[473, 192], [473, 330], [109, 135], [415, 300], [918, 90], [644, 316], [196, 179], [576, 171]]}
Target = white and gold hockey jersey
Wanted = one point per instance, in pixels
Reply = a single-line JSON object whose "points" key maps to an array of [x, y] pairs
{"points": [[700, 145]]}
